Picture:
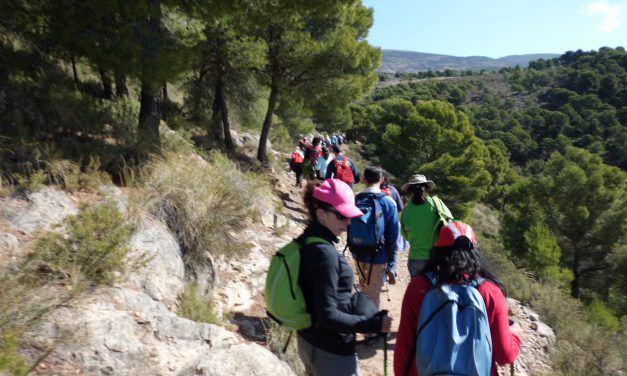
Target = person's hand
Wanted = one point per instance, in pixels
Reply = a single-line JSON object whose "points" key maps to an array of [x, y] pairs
{"points": [[386, 324]]}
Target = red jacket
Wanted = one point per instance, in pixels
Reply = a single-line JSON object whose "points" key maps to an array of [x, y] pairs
{"points": [[505, 345]]}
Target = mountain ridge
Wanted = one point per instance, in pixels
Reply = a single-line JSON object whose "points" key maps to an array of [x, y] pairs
{"points": [[412, 61]]}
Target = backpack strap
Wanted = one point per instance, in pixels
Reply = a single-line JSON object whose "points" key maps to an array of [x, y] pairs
{"points": [[433, 280]]}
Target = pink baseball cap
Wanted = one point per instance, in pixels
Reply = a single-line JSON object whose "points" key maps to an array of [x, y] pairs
{"points": [[339, 195], [454, 230]]}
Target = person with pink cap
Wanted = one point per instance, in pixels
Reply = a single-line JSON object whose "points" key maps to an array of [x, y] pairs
{"points": [[455, 259], [326, 279]]}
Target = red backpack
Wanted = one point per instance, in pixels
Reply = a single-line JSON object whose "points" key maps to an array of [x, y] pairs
{"points": [[343, 171], [297, 158]]}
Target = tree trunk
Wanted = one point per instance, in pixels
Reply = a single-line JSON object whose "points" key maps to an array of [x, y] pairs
{"points": [[149, 116], [165, 92], [215, 131], [150, 97], [267, 122], [74, 71], [228, 141], [120, 84], [166, 100], [107, 85]]}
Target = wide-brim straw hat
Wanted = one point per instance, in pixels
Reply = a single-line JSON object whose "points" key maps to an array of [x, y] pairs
{"points": [[418, 180]]}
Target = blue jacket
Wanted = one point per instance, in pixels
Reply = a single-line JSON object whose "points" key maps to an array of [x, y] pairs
{"points": [[390, 232]]}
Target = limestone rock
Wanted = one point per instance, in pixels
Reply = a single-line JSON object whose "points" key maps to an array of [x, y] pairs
{"points": [[42, 210], [119, 331], [159, 270]]}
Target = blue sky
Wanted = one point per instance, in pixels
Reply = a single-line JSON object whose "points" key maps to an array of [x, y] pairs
{"points": [[497, 28]]}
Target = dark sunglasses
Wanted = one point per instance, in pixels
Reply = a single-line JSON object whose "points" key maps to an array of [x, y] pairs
{"points": [[339, 216]]}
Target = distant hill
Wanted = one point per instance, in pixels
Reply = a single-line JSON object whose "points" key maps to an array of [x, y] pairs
{"points": [[407, 61]]}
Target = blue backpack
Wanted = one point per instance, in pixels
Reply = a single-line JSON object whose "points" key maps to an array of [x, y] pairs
{"points": [[365, 233], [364, 236], [453, 331]]}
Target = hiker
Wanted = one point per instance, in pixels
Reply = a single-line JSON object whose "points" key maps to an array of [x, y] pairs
{"points": [[419, 221], [342, 167], [401, 243], [373, 258], [296, 164], [455, 261], [323, 161], [326, 279], [310, 159]]}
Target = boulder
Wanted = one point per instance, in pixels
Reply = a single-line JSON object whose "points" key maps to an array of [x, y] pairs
{"points": [[117, 331], [155, 262]]}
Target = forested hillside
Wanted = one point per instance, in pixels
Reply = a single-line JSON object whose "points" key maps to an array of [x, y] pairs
{"points": [[394, 61], [545, 145], [534, 156]]}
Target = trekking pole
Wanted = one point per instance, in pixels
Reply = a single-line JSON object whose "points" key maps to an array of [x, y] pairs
{"points": [[385, 348], [385, 354]]}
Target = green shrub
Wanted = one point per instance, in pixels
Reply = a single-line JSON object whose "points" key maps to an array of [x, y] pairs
{"points": [[93, 250], [193, 306], [598, 313], [206, 204], [11, 360]]}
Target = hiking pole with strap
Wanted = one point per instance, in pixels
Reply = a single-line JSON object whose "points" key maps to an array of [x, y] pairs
{"points": [[385, 348]]}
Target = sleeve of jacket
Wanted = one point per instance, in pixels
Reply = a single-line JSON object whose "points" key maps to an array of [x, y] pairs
{"points": [[330, 170], [355, 171], [327, 271], [505, 344], [405, 349], [397, 198], [391, 224]]}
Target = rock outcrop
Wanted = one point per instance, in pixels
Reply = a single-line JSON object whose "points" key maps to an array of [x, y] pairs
{"points": [[131, 328]]}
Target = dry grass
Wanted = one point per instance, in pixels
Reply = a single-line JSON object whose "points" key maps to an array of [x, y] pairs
{"points": [[276, 338], [206, 204]]}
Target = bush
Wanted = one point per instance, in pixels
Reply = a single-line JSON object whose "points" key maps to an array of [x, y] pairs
{"points": [[193, 306], [92, 253], [205, 204]]}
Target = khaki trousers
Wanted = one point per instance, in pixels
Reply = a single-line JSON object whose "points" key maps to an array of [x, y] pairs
{"points": [[373, 290]]}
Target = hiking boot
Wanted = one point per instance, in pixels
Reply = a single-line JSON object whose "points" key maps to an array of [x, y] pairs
{"points": [[391, 277]]}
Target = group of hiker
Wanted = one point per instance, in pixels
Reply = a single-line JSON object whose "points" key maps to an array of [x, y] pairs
{"points": [[321, 159], [454, 316]]}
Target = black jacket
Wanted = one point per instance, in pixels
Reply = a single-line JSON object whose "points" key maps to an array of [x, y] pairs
{"points": [[326, 280]]}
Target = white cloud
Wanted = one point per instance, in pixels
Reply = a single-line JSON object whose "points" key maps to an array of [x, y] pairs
{"points": [[609, 13]]}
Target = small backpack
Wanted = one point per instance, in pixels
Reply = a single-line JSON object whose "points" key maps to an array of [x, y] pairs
{"points": [[297, 158], [285, 302], [453, 335], [343, 171]]}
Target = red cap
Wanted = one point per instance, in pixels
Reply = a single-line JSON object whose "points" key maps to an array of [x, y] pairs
{"points": [[454, 230]]}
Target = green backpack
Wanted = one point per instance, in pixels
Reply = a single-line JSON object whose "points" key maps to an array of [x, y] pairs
{"points": [[285, 302]]}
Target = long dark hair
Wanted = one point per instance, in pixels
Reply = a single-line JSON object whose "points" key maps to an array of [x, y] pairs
{"points": [[460, 262], [311, 203], [418, 193]]}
